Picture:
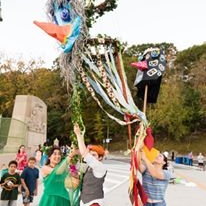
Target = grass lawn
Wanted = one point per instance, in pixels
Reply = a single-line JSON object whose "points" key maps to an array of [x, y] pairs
{"points": [[195, 144]]}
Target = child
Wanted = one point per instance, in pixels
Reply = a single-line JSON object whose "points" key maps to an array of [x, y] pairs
{"points": [[21, 158], [38, 156], [10, 182], [29, 181]]}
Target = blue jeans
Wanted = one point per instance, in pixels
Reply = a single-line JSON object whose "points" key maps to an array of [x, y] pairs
{"points": [[191, 162], [156, 204]]}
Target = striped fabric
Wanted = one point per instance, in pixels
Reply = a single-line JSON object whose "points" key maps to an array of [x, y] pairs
{"points": [[155, 188]]}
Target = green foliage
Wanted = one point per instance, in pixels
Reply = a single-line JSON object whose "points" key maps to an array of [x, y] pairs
{"points": [[194, 142], [136, 50], [198, 76], [168, 114], [191, 103], [97, 131], [76, 111], [177, 112], [189, 56]]}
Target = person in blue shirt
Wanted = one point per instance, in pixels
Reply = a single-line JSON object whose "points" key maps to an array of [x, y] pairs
{"points": [[29, 181], [155, 179]]}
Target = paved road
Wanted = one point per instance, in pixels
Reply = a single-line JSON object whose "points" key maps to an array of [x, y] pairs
{"points": [[118, 172], [191, 189]]}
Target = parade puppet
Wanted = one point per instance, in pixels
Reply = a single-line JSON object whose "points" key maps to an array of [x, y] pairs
{"points": [[98, 63], [150, 69], [68, 26], [151, 66]]}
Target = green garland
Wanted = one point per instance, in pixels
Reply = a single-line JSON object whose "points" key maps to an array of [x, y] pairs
{"points": [[76, 116]]}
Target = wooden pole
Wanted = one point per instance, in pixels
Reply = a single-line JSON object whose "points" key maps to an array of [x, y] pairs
{"points": [[145, 99], [125, 95]]}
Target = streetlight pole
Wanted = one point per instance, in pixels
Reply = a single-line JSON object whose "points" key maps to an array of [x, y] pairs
{"points": [[107, 129], [107, 140]]}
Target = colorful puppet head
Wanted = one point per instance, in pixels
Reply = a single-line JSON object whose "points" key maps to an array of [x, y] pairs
{"points": [[151, 65], [65, 26], [152, 62]]}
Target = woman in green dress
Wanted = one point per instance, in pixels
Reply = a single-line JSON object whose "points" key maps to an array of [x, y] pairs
{"points": [[54, 174]]}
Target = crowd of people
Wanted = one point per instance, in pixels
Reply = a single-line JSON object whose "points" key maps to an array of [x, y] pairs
{"points": [[17, 177], [57, 168], [73, 186]]}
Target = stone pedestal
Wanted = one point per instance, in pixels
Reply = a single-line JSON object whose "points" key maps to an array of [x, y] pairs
{"points": [[16, 135], [33, 112]]}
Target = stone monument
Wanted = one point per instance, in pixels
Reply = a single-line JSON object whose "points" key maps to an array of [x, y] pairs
{"points": [[33, 112]]}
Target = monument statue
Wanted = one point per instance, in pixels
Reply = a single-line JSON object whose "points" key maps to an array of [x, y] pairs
{"points": [[36, 121], [33, 112]]}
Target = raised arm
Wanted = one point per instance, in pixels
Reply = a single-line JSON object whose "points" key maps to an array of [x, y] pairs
{"points": [[155, 172], [142, 166], [81, 144]]}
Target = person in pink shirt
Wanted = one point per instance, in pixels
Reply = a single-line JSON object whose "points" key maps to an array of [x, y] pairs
{"points": [[190, 157], [21, 158]]}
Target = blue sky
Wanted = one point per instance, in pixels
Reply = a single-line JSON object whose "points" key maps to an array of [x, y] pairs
{"points": [[181, 22]]}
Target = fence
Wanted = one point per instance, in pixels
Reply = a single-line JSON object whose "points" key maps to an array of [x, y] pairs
{"points": [[12, 129]]}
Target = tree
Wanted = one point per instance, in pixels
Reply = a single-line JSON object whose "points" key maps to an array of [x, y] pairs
{"points": [[136, 50], [192, 104], [197, 81], [189, 56], [167, 115]]}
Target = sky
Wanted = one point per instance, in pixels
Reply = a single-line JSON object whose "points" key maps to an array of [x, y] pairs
{"points": [[181, 22]]}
